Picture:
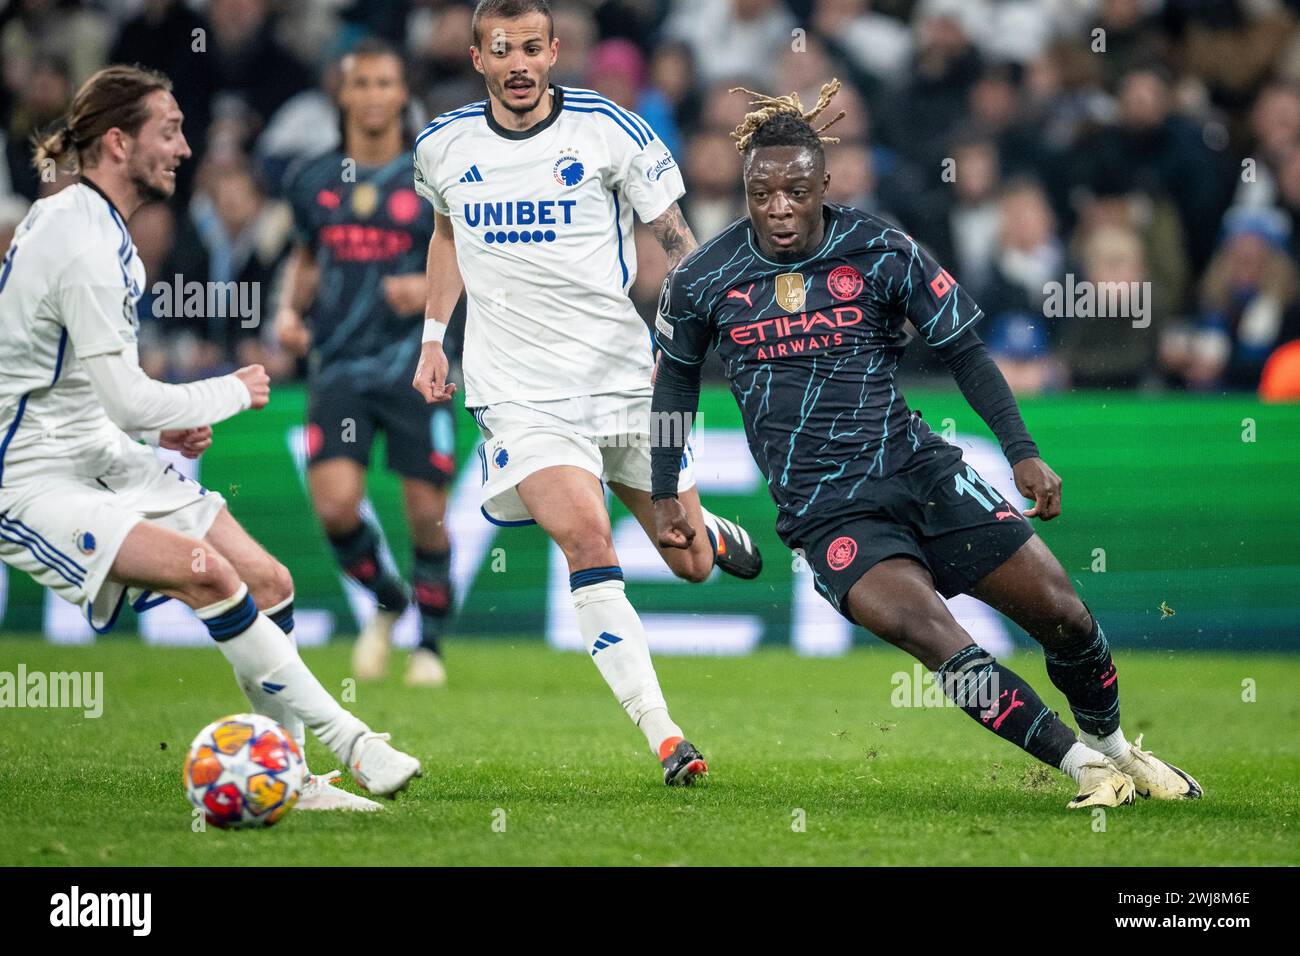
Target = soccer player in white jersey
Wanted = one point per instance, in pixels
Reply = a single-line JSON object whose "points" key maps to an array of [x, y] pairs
{"points": [[534, 190], [85, 508]]}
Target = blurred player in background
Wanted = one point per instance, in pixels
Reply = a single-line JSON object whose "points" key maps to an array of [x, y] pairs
{"points": [[534, 190], [806, 301], [357, 273], [85, 508]]}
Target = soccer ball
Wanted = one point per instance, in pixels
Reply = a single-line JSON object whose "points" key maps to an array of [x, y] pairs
{"points": [[244, 771]]}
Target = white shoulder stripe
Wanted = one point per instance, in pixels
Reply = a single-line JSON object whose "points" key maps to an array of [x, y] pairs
{"points": [[591, 96], [473, 109]]}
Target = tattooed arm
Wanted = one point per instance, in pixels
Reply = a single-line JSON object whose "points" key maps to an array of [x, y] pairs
{"points": [[674, 235]]}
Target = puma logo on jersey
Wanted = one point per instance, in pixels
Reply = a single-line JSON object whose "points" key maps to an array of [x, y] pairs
{"points": [[941, 284], [737, 294]]}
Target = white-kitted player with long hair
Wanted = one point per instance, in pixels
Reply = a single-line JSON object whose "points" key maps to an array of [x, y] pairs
{"points": [[86, 509]]}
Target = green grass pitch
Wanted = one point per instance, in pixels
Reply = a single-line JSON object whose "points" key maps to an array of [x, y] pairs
{"points": [[535, 733]]}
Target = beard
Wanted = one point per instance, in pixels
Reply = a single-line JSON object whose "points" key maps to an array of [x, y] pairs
{"points": [[150, 188], [151, 191], [499, 89]]}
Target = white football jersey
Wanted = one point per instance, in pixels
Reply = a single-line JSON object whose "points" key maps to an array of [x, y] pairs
{"points": [[69, 285], [543, 226]]}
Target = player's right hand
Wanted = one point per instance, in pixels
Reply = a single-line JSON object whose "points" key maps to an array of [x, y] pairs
{"points": [[431, 374], [672, 527], [291, 331], [1035, 480], [258, 384]]}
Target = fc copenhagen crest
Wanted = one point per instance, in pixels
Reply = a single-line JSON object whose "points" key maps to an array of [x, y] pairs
{"points": [[791, 291], [568, 169]]}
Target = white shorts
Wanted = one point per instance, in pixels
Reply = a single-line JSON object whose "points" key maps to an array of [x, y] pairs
{"points": [[66, 531], [607, 435]]}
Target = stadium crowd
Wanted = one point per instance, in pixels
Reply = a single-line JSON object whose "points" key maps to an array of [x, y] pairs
{"points": [[1033, 145]]}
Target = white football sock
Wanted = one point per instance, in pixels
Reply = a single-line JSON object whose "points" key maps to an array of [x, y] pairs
{"points": [[1074, 759], [272, 705], [1113, 745], [658, 726], [335, 727], [616, 641], [264, 657], [711, 522]]}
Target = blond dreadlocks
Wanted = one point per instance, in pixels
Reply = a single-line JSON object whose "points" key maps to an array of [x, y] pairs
{"points": [[785, 117]]}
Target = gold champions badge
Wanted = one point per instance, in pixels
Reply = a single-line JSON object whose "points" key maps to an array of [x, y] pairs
{"points": [[791, 291], [364, 200]]}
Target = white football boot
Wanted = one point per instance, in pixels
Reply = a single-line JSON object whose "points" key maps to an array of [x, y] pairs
{"points": [[380, 767], [370, 652], [425, 669], [321, 792], [1155, 778], [1103, 785]]}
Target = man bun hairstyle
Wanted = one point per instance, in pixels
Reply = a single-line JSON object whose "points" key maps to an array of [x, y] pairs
{"points": [[112, 97], [782, 121]]}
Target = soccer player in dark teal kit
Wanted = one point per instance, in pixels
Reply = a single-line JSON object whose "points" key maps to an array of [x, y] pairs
{"points": [[806, 303], [358, 265]]}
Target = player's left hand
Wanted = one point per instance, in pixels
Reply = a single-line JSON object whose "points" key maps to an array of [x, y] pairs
{"points": [[406, 294], [431, 374], [1035, 480], [190, 442]]}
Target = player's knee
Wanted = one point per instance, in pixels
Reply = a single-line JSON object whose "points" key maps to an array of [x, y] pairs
{"points": [[269, 581], [213, 578], [1073, 620], [692, 567], [588, 549], [277, 585], [1061, 616], [696, 573], [426, 503], [338, 515]]}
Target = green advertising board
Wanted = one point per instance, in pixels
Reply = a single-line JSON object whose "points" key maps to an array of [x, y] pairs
{"points": [[1181, 529]]}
